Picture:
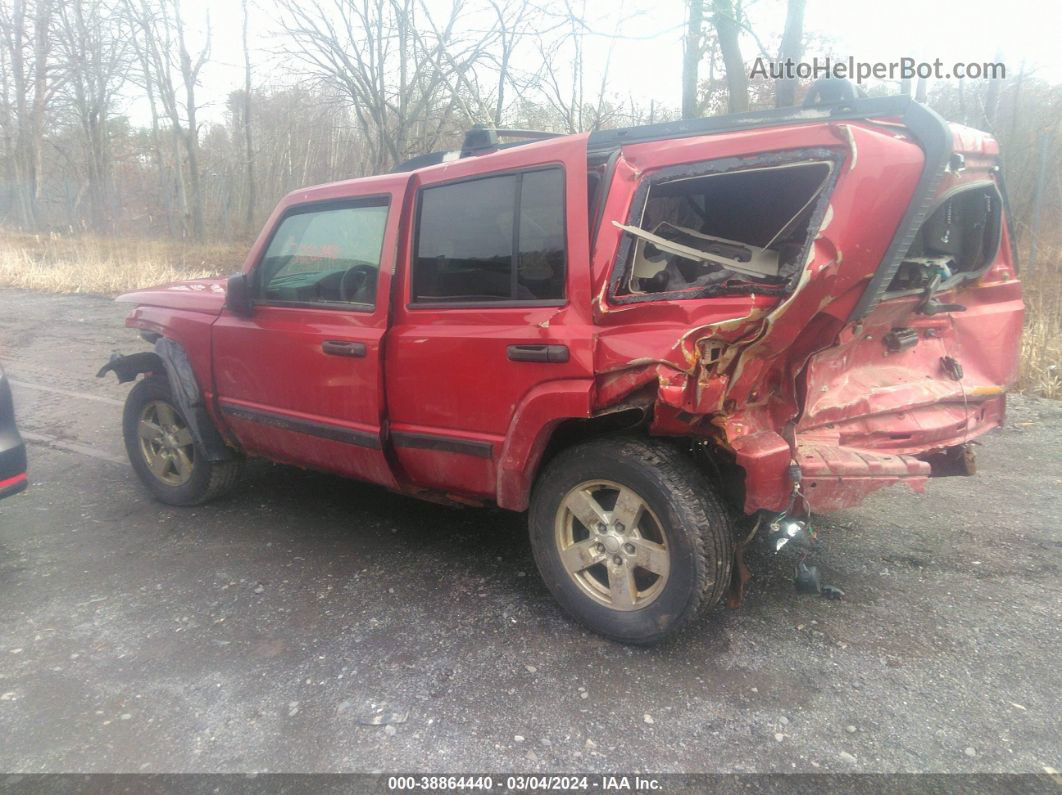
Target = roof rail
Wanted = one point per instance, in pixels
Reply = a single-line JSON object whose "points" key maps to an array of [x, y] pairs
{"points": [[479, 140], [603, 141]]}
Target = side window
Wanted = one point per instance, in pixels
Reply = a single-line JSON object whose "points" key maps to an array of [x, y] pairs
{"points": [[722, 230], [327, 254], [492, 239]]}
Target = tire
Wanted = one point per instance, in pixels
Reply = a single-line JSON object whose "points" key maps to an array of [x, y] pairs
{"points": [[187, 480], [678, 504]]}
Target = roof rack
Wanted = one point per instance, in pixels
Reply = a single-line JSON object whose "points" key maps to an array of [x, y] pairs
{"points": [[479, 140], [604, 141], [828, 99]]}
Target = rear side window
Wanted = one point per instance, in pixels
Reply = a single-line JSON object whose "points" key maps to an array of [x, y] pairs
{"points": [[723, 230], [329, 254], [492, 239]]}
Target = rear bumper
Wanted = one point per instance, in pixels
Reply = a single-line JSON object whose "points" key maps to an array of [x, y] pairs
{"points": [[840, 469], [12, 448]]}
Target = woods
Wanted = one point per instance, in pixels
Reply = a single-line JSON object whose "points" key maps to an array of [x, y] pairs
{"points": [[107, 126]]}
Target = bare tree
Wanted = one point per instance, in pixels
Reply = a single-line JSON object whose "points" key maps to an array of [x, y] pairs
{"points": [[561, 78], [190, 69], [516, 21], [94, 44], [728, 29], [165, 52], [405, 75], [691, 58], [249, 208], [791, 48], [27, 33]]}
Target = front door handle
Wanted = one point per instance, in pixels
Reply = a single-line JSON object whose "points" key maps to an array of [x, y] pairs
{"points": [[341, 348], [556, 354]]}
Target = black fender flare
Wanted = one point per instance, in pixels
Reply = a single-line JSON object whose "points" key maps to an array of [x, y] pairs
{"points": [[170, 358]]}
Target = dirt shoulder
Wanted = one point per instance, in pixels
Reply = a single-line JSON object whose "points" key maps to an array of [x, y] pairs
{"points": [[259, 632]]}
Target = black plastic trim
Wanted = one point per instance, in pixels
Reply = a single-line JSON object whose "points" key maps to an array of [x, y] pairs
{"points": [[446, 444], [322, 430], [932, 134], [189, 399], [344, 348], [554, 354], [601, 196], [127, 368], [607, 140], [500, 304]]}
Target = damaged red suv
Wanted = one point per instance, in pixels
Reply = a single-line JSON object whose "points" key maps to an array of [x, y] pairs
{"points": [[644, 337]]}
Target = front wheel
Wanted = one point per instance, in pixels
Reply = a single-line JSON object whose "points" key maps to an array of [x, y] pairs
{"points": [[163, 452], [630, 537]]}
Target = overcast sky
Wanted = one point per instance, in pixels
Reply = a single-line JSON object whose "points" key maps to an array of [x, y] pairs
{"points": [[646, 56]]}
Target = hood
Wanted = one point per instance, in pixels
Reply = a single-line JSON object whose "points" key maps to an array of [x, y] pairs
{"points": [[196, 295]]}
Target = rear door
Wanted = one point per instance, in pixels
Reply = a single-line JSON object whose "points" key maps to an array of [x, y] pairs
{"points": [[495, 301], [300, 380]]}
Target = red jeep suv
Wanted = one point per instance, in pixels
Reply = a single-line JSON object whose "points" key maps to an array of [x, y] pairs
{"points": [[643, 337]]}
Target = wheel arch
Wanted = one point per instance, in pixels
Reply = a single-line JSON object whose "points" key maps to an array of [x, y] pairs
{"points": [[552, 417], [170, 359]]}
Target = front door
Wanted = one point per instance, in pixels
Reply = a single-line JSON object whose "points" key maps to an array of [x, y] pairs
{"points": [[300, 380]]}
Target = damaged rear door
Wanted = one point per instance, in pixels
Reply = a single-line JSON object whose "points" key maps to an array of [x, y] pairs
{"points": [[923, 367], [749, 294]]}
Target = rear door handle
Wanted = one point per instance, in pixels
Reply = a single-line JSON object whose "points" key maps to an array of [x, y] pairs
{"points": [[538, 353], [340, 348]]}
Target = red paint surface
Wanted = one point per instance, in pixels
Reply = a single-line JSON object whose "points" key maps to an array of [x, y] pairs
{"points": [[860, 417]]}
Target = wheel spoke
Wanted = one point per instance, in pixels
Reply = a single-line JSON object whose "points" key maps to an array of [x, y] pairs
{"points": [[581, 555], [182, 463], [586, 509], [148, 430], [651, 556], [167, 416], [628, 510], [621, 587], [183, 437], [157, 464]]}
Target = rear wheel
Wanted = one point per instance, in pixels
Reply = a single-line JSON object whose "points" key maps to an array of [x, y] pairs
{"points": [[163, 451], [630, 537]]}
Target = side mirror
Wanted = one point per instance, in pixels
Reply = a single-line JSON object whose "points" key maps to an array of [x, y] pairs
{"points": [[238, 295]]}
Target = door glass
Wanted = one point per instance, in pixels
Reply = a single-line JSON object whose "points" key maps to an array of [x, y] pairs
{"points": [[465, 241], [493, 239], [541, 264], [328, 255]]}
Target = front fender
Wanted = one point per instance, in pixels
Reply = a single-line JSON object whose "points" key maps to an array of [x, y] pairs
{"points": [[169, 358]]}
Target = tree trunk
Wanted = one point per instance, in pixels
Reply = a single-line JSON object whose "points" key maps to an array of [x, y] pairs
{"points": [[691, 58], [248, 142], [737, 82], [791, 49], [189, 74]]}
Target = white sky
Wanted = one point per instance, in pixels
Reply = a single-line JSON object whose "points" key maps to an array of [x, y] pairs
{"points": [[646, 61]]}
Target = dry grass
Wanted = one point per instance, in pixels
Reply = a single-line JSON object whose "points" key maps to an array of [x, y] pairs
{"points": [[107, 266], [1041, 344]]}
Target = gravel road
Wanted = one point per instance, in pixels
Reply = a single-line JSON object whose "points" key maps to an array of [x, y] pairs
{"points": [[312, 624]]}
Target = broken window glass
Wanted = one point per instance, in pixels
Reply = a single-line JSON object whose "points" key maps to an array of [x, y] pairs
{"points": [[737, 227], [960, 237]]}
